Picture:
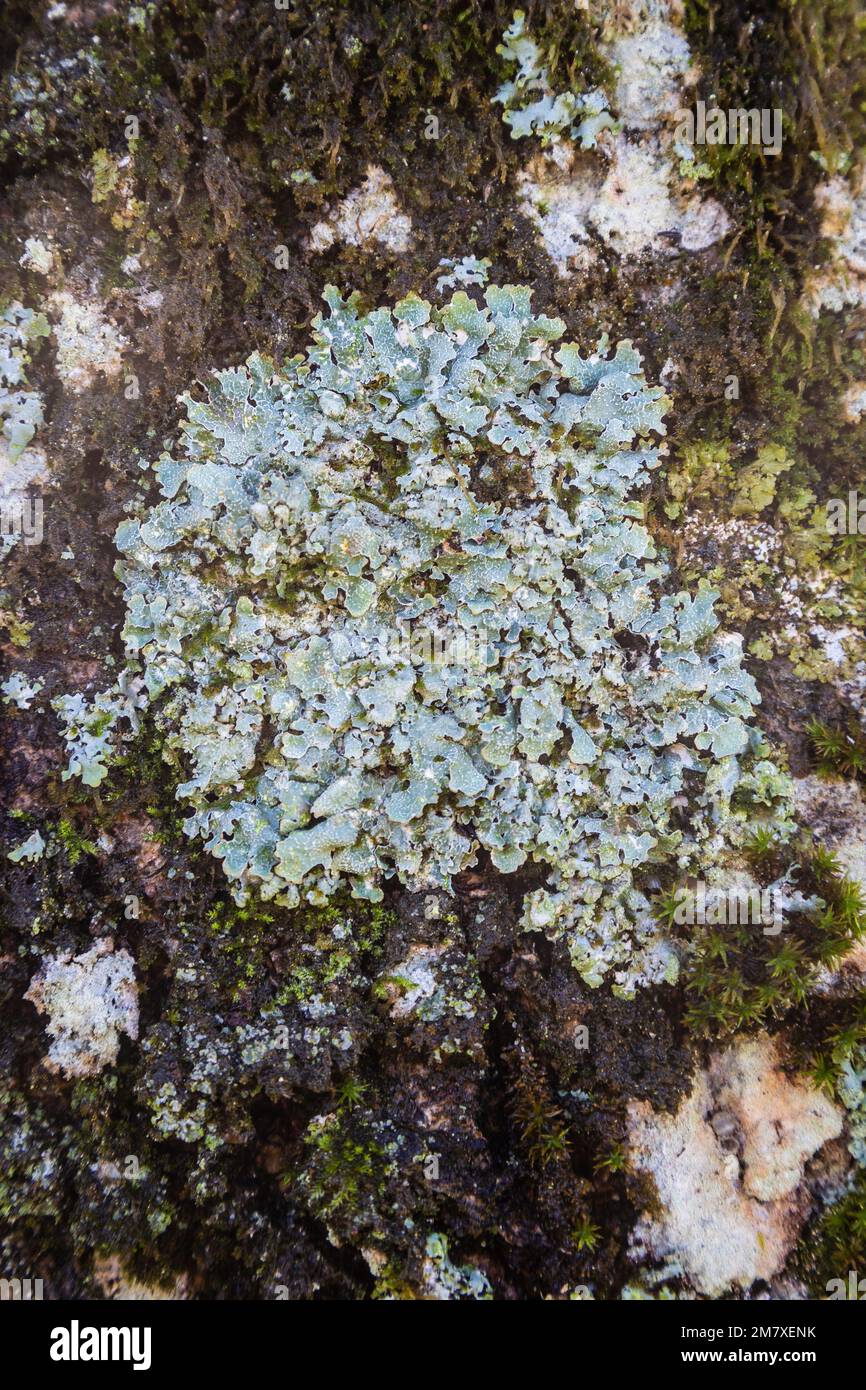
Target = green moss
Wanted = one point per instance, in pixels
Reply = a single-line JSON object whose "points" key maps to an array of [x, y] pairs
{"points": [[585, 1235], [349, 1162], [614, 1161], [243, 935], [834, 1245], [839, 752], [807, 60], [541, 1128], [75, 844], [740, 978]]}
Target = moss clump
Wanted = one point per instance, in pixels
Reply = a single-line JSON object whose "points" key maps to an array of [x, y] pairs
{"points": [[740, 977], [74, 842], [809, 62], [834, 1245], [839, 752]]}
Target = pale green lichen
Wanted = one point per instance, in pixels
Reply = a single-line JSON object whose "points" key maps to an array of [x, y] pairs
{"points": [[21, 413], [447, 1281], [766, 527], [31, 848], [89, 728], [756, 484], [852, 1093], [20, 406], [19, 691], [398, 603], [468, 270], [529, 105]]}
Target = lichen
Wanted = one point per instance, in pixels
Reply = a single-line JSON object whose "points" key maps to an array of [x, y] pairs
{"points": [[728, 1165], [757, 526], [37, 256], [369, 213], [446, 1280], [397, 603], [19, 691], [31, 848], [529, 105], [635, 194], [90, 1000], [89, 728], [852, 1093], [21, 407], [88, 344], [231, 1143]]}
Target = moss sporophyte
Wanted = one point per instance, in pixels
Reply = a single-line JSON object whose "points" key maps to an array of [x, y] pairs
{"points": [[461, 474]]}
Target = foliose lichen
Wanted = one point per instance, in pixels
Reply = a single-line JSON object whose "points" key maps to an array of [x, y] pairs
{"points": [[852, 1092], [21, 408], [90, 727], [529, 105], [447, 1281], [17, 690], [397, 603]]}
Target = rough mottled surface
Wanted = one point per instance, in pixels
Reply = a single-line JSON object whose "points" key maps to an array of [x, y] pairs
{"points": [[430, 1095], [727, 1167]]}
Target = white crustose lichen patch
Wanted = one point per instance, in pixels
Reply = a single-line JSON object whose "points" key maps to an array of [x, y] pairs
{"points": [[727, 1167], [90, 1000], [369, 213], [631, 194], [88, 345]]}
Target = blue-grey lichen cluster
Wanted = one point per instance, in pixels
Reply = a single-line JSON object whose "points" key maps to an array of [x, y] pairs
{"points": [[20, 408], [852, 1092], [21, 411], [532, 108], [398, 603]]}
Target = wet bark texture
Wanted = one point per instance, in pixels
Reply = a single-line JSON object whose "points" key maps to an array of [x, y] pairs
{"points": [[324, 1173]]}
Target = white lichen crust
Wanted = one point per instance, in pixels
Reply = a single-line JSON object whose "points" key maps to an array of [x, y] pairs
{"points": [[636, 194], [90, 1000], [370, 213], [728, 1167], [88, 344]]}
